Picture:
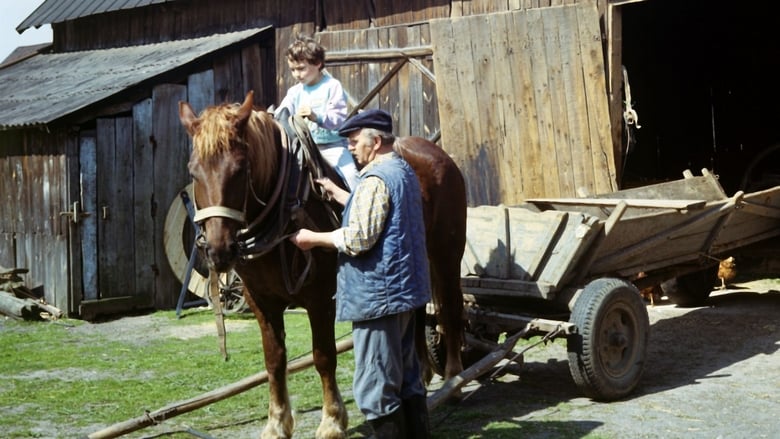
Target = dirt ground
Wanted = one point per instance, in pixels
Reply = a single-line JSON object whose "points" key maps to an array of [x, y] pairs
{"points": [[712, 372]]}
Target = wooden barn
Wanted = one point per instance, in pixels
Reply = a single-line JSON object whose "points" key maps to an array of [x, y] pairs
{"points": [[529, 96]]}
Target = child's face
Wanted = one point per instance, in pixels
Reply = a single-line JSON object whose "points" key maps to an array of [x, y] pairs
{"points": [[305, 72]]}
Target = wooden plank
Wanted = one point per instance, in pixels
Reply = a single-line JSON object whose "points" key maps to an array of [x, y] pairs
{"points": [[414, 86], [578, 233], [430, 113], [595, 86], [512, 121], [388, 95], [450, 109], [631, 202], [510, 288], [108, 229], [143, 198], [487, 129], [577, 126], [170, 171], [200, 91], [467, 130], [558, 44], [72, 192], [530, 237], [373, 70], [546, 160], [487, 243], [88, 224], [527, 158], [252, 74], [227, 79], [121, 213]]}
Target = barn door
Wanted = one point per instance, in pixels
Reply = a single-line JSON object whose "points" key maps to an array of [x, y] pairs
{"points": [[107, 233], [523, 103]]}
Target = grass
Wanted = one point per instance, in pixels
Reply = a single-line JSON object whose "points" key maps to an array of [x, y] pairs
{"points": [[53, 375], [59, 381]]}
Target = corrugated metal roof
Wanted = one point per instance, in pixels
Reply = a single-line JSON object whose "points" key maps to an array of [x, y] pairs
{"points": [[47, 87], [57, 11]]}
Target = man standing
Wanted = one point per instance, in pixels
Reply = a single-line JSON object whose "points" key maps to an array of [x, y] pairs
{"points": [[383, 277]]}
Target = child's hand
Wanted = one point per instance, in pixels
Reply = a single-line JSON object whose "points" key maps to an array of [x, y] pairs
{"points": [[305, 112]]}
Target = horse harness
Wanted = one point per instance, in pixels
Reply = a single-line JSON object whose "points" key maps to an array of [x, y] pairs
{"points": [[285, 207]]}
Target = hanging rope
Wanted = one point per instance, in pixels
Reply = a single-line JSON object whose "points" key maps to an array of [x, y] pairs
{"points": [[629, 115]]}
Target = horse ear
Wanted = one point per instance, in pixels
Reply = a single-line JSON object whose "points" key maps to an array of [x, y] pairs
{"points": [[187, 116], [246, 109]]}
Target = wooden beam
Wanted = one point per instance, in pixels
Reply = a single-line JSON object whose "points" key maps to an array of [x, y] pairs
{"points": [[377, 54]]}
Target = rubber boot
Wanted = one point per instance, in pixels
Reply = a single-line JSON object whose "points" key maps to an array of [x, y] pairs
{"points": [[416, 414], [392, 426]]}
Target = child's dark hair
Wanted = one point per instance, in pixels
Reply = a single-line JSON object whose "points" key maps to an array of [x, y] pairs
{"points": [[306, 48]]}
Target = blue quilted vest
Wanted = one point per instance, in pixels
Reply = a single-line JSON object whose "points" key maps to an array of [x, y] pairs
{"points": [[391, 277]]}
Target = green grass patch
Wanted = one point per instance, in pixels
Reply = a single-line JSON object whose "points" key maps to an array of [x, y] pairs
{"points": [[54, 374]]}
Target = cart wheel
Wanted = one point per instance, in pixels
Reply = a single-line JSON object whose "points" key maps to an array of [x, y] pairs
{"points": [[691, 289], [231, 293], [607, 356], [437, 351]]}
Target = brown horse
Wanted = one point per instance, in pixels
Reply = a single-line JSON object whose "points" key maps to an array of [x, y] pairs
{"points": [[444, 209], [252, 191]]}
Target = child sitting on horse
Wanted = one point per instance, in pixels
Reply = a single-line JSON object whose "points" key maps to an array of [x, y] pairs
{"points": [[320, 99]]}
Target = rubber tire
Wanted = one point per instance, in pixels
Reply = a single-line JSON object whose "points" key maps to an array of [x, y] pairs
{"points": [[608, 309], [692, 289], [437, 350]]}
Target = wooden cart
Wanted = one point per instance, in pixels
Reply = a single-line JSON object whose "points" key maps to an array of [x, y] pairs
{"points": [[568, 268]]}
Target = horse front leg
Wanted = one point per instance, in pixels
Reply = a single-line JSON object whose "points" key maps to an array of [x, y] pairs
{"points": [[271, 320], [334, 414]]}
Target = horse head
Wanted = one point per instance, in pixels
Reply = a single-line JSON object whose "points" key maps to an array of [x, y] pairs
{"points": [[232, 165]]}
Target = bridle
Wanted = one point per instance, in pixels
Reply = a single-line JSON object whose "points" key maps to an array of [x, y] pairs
{"points": [[266, 232]]}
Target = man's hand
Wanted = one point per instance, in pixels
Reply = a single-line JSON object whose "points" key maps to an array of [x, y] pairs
{"points": [[306, 239], [333, 191]]}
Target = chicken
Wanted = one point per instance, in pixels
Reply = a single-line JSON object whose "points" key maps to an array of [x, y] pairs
{"points": [[727, 271], [651, 293]]}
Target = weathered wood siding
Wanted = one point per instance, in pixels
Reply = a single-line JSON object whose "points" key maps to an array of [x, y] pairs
{"points": [[525, 115], [406, 89], [139, 150], [33, 186]]}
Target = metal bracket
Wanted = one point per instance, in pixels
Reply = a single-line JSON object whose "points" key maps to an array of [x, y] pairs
{"points": [[75, 213]]}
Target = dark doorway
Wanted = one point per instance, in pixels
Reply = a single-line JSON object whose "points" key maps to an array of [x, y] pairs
{"points": [[705, 83]]}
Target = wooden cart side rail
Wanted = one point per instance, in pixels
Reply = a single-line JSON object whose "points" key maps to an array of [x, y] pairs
{"points": [[761, 209], [716, 210], [506, 287], [721, 248], [630, 202]]}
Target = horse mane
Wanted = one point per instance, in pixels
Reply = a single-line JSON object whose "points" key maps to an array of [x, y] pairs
{"points": [[218, 133]]}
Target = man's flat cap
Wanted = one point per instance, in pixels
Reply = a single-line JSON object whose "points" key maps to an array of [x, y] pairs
{"points": [[373, 118]]}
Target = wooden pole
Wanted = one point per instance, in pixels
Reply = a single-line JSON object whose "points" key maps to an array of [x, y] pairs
{"points": [[453, 385], [211, 397]]}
